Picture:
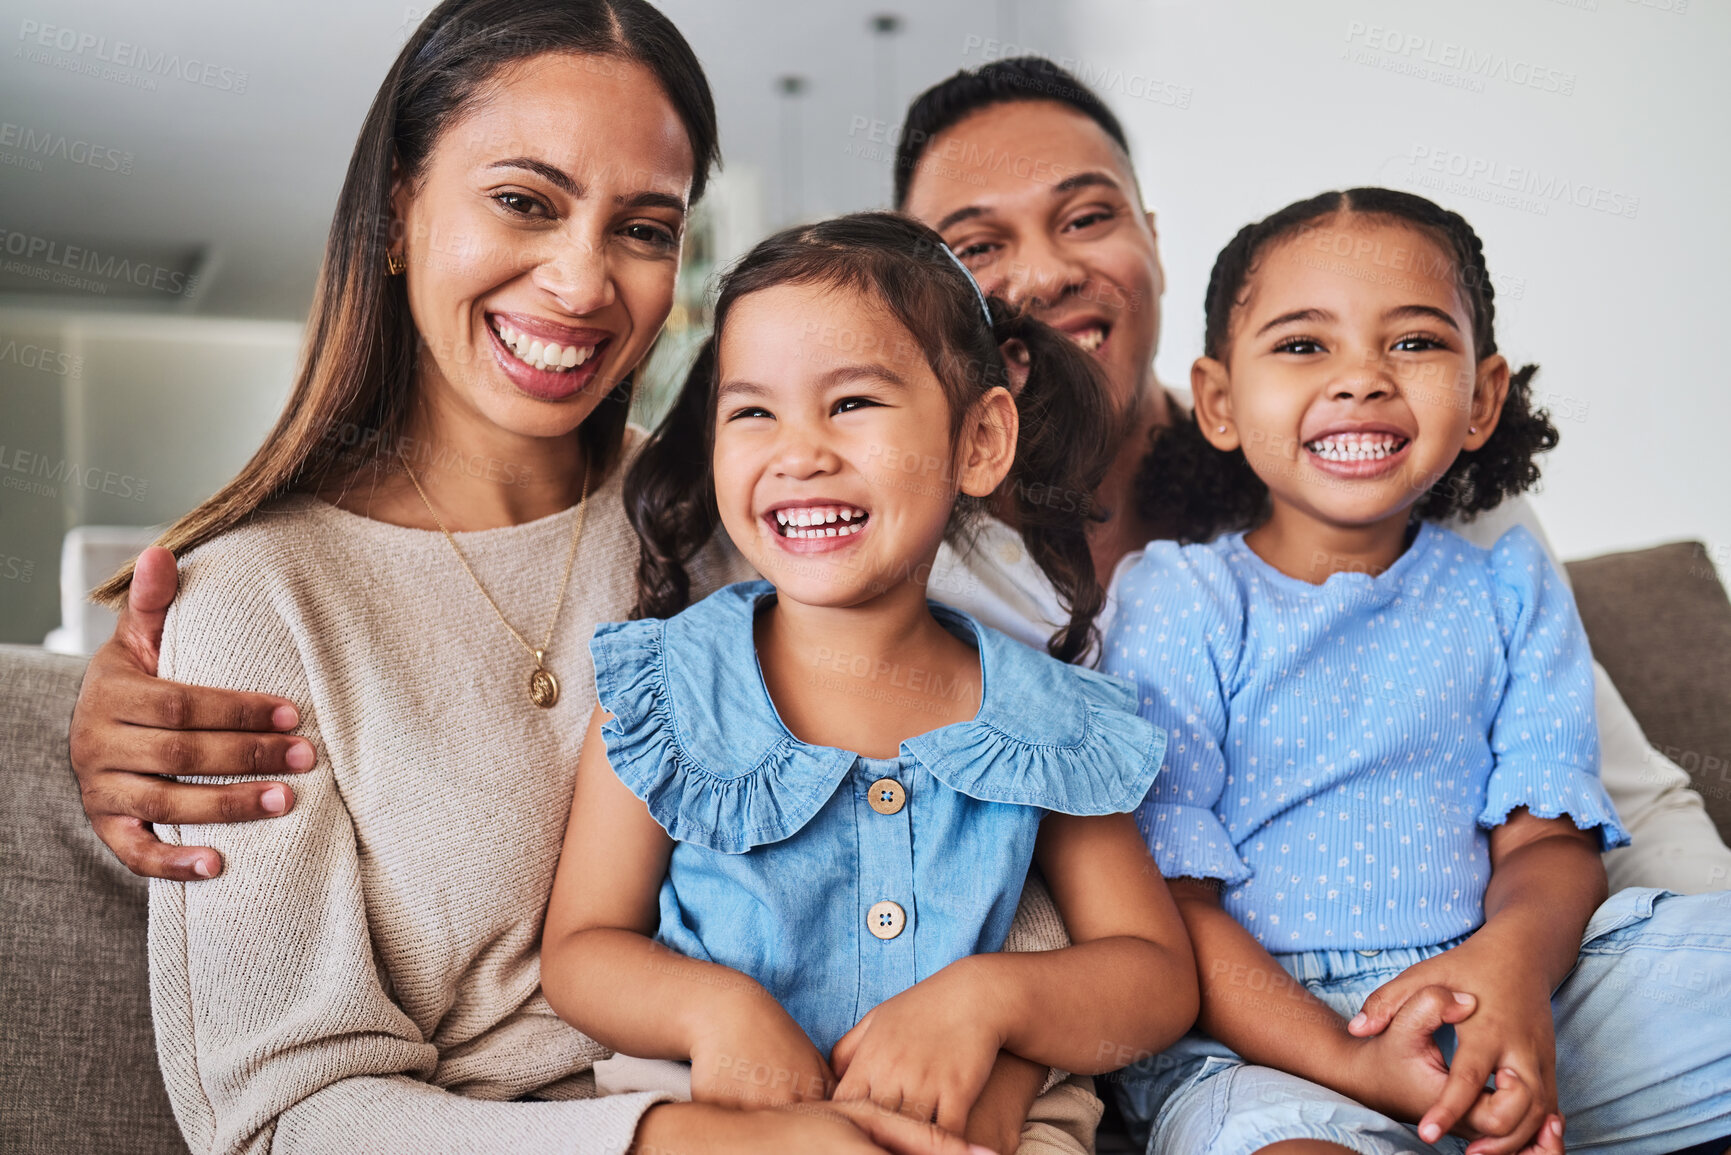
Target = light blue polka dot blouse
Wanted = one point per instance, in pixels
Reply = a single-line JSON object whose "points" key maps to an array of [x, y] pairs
{"points": [[1337, 753]]}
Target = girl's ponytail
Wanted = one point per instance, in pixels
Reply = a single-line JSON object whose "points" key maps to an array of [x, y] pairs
{"points": [[1061, 458], [670, 495]]}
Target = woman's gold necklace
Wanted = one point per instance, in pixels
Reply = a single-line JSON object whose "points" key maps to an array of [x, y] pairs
{"points": [[543, 686]]}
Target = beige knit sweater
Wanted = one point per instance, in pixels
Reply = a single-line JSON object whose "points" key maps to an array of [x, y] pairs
{"points": [[364, 976]]}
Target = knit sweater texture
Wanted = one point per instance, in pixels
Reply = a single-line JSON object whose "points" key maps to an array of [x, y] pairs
{"points": [[364, 975]]}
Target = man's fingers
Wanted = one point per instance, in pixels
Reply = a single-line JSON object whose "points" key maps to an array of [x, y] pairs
{"points": [[163, 705], [155, 578], [213, 753], [149, 798], [143, 853]]}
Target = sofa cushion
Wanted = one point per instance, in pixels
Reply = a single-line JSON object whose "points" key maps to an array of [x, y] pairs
{"points": [[1660, 624], [78, 1067]]}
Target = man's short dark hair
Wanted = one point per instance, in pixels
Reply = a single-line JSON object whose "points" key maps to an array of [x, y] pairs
{"points": [[1001, 82]]}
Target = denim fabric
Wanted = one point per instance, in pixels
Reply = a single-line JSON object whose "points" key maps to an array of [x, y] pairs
{"points": [[779, 856], [1643, 1028]]}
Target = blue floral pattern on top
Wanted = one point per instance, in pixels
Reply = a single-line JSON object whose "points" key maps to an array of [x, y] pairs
{"points": [[780, 857]]}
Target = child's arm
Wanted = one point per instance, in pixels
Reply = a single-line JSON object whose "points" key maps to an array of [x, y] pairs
{"points": [[1001, 1111], [1127, 986], [1251, 1004], [602, 972], [1546, 876], [1546, 880]]}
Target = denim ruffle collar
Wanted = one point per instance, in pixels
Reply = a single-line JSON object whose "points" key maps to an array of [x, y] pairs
{"points": [[695, 734]]}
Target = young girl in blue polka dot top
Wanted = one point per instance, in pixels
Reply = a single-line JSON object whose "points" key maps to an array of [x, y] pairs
{"points": [[807, 805], [1380, 807]]}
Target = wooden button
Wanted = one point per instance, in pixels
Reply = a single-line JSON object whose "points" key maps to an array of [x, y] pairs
{"points": [[887, 796], [885, 919]]}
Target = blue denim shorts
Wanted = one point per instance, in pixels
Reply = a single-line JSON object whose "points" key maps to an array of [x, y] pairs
{"points": [[1643, 1028]]}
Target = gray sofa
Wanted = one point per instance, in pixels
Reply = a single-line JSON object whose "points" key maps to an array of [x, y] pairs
{"points": [[77, 1068]]}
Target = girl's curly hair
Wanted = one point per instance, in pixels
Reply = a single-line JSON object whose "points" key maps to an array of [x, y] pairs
{"points": [[1196, 492]]}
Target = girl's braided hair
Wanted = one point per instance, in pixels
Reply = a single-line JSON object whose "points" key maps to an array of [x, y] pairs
{"points": [[1197, 492]]}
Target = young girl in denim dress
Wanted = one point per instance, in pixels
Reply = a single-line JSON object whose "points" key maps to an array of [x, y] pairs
{"points": [[807, 805], [1381, 808]]}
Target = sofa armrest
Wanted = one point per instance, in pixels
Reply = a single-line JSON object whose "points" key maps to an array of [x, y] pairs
{"points": [[78, 1069]]}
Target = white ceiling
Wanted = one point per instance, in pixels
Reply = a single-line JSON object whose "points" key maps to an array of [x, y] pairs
{"points": [[252, 175]]}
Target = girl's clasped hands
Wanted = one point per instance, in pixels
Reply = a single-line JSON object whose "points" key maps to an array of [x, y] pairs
{"points": [[802, 868]]}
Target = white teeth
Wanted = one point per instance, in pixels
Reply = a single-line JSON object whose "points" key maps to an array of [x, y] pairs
{"points": [[1356, 446], [1090, 339], [820, 521], [546, 355]]}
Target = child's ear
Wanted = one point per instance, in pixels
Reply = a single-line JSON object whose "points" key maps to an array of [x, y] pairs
{"points": [[988, 445], [1213, 401], [1490, 390]]}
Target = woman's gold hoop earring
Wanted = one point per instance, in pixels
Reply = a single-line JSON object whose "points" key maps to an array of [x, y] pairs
{"points": [[396, 264]]}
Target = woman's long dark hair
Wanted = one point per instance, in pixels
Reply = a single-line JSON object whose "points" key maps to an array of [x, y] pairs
{"points": [[1065, 422], [353, 390], [1195, 492]]}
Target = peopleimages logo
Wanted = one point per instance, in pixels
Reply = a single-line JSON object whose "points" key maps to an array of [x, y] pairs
{"points": [[1436, 167], [1446, 61], [78, 259], [92, 50], [34, 145], [39, 474]]}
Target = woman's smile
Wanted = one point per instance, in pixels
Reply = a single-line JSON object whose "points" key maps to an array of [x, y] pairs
{"points": [[547, 361]]}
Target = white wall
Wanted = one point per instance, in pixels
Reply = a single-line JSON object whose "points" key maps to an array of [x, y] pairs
{"points": [[1237, 107], [120, 420]]}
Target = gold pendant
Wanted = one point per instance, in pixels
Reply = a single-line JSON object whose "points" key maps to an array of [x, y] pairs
{"points": [[543, 686]]}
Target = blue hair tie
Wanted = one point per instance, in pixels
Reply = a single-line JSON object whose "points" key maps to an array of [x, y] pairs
{"points": [[979, 294]]}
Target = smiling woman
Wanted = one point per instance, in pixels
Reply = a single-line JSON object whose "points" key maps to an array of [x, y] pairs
{"points": [[360, 972], [502, 218]]}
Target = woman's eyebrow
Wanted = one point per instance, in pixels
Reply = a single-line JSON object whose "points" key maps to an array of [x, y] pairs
{"points": [[557, 177], [561, 180], [651, 200]]}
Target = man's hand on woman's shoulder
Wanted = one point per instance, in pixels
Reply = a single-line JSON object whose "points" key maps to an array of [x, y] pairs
{"points": [[132, 732]]}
